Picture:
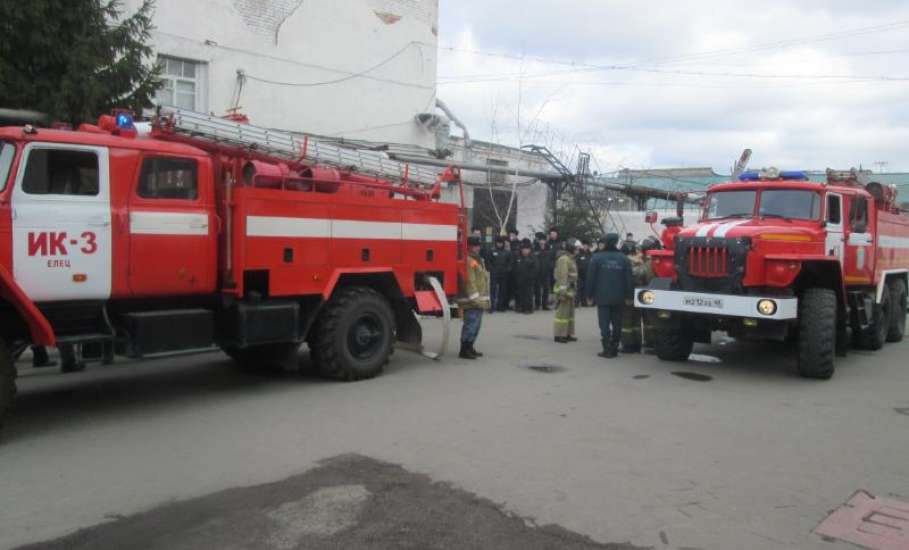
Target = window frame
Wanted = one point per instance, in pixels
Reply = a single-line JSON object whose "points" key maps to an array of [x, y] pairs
{"points": [[5, 178], [165, 200], [838, 199], [199, 81], [854, 210], [27, 157]]}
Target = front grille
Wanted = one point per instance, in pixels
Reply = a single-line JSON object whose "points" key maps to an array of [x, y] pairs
{"points": [[707, 264], [710, 262]]}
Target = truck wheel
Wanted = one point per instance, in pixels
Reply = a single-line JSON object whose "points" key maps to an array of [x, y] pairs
{"points": [[873, 337], [817, 333], [354, 334], [673, 343], [7, 381], [265, 358], [898, 313]]}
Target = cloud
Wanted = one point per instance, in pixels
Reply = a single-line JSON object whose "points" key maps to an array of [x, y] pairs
{"points": [[805, 83]]}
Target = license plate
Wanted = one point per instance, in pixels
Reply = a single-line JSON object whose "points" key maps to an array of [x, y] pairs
{"points": [[701, 301]]}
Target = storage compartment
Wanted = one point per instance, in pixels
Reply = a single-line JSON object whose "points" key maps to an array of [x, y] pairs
{"points": [[263, 323], [168, 330]]}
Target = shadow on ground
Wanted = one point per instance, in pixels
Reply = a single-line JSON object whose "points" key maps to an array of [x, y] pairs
{"points": [[350, 501], [49, 401]]}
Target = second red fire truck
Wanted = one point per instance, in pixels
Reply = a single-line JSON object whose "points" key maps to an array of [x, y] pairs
{"points": [[213, 231], [776, 256]]}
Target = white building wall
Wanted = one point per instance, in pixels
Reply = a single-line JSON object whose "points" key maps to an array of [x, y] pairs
{"points": [[531, 195], [360, 68]]}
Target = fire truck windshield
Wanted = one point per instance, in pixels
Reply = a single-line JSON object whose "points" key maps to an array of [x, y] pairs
{"points": [[788, 204], [731, 204], [798, 204]]}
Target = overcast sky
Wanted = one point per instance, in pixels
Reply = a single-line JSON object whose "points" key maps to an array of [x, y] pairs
{"points": [[804, 83]]}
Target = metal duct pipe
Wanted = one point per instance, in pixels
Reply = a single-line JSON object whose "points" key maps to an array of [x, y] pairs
{"points": [[444, 107]]}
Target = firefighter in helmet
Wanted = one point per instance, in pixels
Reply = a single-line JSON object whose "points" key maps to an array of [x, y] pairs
{"points": [[475, 300], [635, 324], [565, 289]]}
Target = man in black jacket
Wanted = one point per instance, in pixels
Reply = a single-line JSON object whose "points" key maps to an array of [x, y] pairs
{"points": [[583, 261], [499, 262], [609, 282], [525, 277], [545, 264]]}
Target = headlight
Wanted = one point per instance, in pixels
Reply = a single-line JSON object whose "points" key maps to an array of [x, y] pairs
{"points": [[766, 307], [647, 297]]}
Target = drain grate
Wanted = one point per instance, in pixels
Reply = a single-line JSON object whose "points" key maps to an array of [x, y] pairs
{"points": [[527, 337]]}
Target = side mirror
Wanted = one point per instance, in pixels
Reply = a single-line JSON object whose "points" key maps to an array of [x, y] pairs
{"points": [[651, 217]]}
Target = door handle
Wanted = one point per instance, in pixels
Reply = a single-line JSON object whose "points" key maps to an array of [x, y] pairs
{"points": [[199, 225], [99, 224]]}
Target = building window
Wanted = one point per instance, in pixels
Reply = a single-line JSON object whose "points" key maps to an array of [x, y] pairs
{"points": [[182, 83], [496, 178]]}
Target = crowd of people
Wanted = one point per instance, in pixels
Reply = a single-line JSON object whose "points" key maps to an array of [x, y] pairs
{"points": [[561, 274]]}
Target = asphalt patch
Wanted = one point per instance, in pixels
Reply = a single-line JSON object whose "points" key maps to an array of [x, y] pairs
{"points": [[695, 376], [350, 501]]}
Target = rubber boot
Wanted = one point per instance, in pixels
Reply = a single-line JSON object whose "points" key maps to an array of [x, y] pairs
{"points": [[466, 352], [605, 353]]}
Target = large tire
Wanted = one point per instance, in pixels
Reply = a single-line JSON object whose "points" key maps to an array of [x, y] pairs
{"points": [[874, 336], [265, 358], [673, 342], [353, 337], [7, 381], [898, 301], [817, 333]]}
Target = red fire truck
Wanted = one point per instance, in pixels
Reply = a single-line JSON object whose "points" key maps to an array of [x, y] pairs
{"points": [[201, 231], [775, 256]]}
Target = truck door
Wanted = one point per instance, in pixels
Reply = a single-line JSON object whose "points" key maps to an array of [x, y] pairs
{"points": [[62, 223], [858, 265], [834, 219], [172, 229]]}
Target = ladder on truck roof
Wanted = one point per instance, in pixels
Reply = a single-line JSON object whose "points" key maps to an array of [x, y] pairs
{"points": [[290, 146]]}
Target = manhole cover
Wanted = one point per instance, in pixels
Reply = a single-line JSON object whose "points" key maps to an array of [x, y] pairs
{"points": [[696, 376], [545, 368], [868, 521]]}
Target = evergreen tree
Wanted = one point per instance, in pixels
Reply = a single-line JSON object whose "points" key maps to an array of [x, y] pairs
{"points": [[76, 59]]}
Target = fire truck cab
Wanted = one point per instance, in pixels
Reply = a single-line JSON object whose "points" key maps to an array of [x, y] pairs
{"points": [[776, 256], [168, 242]]}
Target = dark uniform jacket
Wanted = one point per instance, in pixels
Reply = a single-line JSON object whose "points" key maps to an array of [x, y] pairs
{"points": [[609, 278], [498, 262], [547, 259], [583, 260], [526, 269]]}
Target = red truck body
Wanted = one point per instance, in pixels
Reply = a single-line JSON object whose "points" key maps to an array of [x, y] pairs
{"points": [[763, 244], [167, 241]]}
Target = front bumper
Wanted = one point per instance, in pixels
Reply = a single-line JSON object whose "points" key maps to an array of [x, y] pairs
{"points": [[726, 305]]}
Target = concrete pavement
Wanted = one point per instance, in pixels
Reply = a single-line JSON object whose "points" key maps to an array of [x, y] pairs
{"points": [[732, 451]]}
